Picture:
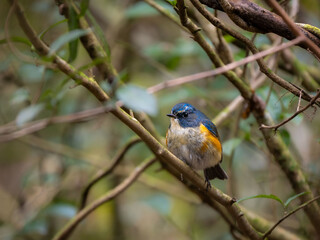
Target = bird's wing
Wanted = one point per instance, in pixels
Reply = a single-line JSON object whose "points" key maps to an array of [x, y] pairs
{"points": [[211, 127], [208, 127]]}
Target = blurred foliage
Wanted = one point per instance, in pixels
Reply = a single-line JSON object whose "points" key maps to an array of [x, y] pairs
{"points": [[42, 177]]}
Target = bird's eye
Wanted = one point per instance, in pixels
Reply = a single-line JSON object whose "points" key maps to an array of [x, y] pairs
{"points": [[185, 114]]}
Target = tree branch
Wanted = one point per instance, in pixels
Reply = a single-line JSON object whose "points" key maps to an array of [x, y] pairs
{"points": [[43, 50], [74, 222], [106, 171], [8, 133], [257, 19], [262, 225], [91, 43], [223, 69], [288, 215]]}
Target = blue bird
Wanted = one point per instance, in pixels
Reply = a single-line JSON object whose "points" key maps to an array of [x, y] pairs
{"points": [[194, 139]]}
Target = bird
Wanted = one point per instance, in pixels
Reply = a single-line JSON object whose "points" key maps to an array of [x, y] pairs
{"points": [[194, 139]]}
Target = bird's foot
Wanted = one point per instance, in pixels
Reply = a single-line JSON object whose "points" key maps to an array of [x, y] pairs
{"points": [[208, 184]]}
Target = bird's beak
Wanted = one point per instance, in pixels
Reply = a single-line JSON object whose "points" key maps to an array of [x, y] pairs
{"points": [[171, 115]]}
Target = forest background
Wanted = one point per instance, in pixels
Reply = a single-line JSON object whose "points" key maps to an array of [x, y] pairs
{"points": [[85, 87]]}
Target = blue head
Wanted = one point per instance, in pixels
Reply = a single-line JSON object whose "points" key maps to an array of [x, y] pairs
{"points": [[187, 115]]}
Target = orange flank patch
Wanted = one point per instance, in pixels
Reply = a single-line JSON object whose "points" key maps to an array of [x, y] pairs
{"points": [[211, 139]]}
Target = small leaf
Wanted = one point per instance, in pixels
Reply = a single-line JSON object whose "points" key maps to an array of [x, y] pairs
{"points": [[285, 135], [62, 210], [73, 24], [230, 145], [294, 197], [29, 113], [21, 95], [65, 38], [137, 99], [271, 196], [173, 2], [83, 7], [99, 33], [31, 73]]}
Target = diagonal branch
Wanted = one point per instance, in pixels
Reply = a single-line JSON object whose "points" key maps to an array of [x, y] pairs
{"points": [[74, 222], [91, 43], [223, 69], [104, 172], [8, 133], [288, 215], [43, 50], [258, 19]]}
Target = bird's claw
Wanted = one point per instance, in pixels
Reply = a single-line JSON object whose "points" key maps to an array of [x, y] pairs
{"points": [[208, 184]]}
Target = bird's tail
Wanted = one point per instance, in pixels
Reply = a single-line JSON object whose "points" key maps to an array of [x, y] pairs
{"points": [[215, 172]]}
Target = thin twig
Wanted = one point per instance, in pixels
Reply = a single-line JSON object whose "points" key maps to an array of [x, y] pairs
{"points": [[63, 150], [105, 172], [299, 102], [258, 80], [165, 13], [288, 215], [40, 124], [223, 69], [313, 100], [74, 222]]}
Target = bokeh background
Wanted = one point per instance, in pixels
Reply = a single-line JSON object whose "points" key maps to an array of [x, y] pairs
{"points": [[42, 175]]}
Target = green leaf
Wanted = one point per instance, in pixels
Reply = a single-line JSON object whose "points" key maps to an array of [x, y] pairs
{"points": [[173, 2], [83, 7], [100, 33], [271, 196], [73, 24], [137, 99], [16, 39], [230, 145], [285, 135], [65, 38], [29, 113], [19, 96], [31, 73], [294, 197]]}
